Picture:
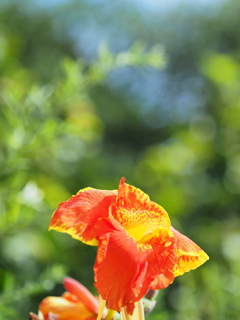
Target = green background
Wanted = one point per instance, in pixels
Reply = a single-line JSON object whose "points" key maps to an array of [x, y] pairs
{"points": [[91, 91]]}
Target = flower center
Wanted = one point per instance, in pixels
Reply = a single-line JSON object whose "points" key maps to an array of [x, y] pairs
{"points": [[140, 233]]}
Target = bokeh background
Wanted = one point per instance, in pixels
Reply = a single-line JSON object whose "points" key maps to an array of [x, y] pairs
{"points": [[94, 90]]}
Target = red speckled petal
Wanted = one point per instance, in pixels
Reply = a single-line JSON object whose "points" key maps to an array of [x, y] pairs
{"points": [[190, 255], [137, 213], [79, 215]]}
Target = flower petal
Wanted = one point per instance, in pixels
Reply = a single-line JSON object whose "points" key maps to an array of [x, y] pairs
{"points": [[137, 213], [190, 255], [116, 269], [64, 309], [82, 293], [78, 215], [124, 269], [163, 261]]}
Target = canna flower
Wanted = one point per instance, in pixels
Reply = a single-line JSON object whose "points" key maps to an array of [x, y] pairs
{"points": [[138, 249], [77, 303]]}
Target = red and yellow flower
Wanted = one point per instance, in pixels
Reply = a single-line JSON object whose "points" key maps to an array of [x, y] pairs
{"points": [[138, 249], [77, 303]]}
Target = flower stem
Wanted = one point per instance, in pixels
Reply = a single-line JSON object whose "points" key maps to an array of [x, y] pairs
{"points": [[138, 313], [102, 304], [139, 310], [111, 314]]}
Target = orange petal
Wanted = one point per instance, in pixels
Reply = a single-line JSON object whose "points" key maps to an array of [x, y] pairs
{"points": [[82, 293], [137, 213], [125, 269], [165, 254], [79, 214], [116, 269], [163, 280], [70, 297], [64, 309], [190, 255]]}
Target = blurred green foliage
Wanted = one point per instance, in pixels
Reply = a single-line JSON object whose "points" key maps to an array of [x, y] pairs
{"points": [[88, 95]]}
